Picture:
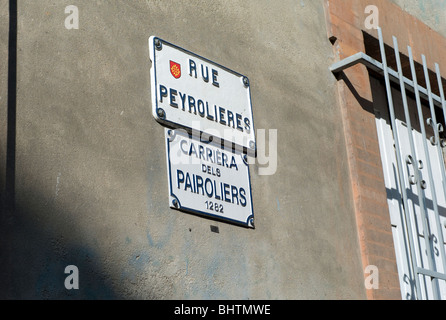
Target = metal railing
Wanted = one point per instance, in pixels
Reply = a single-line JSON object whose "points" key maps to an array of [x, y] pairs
{"points": [[434, 101]]}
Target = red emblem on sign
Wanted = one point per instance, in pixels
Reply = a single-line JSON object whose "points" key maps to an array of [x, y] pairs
{"points": [[175, 69]]}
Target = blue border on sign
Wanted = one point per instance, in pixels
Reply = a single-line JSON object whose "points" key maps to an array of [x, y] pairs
{"points": [[203, 213]]}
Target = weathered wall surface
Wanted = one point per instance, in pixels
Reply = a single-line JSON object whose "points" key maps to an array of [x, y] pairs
{"points": [[4, 30], [90, 168], [91, 185], [431, 12]]}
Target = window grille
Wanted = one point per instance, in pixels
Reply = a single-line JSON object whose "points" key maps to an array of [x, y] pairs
{"points": [[424, 234]]}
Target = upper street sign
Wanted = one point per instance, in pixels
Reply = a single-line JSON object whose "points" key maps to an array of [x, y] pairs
{"points": [[191, 92]]}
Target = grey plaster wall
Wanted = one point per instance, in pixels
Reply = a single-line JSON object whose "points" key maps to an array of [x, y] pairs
{"points": [[90, 168], [431, 12]]}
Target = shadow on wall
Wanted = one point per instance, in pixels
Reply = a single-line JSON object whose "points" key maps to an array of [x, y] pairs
{"points": [[32, 258], [33, 261], [8, 197]]}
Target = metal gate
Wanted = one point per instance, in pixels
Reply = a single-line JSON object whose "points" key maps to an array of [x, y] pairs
{"points": [[410, 134]]}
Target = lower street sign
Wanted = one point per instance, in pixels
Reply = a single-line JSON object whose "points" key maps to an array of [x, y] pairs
{"points": [[207, 180]]}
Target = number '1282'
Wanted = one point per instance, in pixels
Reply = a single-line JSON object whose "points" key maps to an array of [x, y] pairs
{"points": [[214, 206]]}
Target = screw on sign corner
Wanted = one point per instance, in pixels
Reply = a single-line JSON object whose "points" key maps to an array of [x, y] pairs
{"points": [[161, 113], [158, 44], [245, 81]]}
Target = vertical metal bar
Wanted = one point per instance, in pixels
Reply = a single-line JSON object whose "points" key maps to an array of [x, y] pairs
{"points": [[440, 87], [399, 163], [437, 216], [423, 131], [434, 120], [420, 191]]}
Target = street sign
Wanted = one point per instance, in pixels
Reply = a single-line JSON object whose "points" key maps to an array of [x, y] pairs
{"points": [[194, 93], [207, 180]]}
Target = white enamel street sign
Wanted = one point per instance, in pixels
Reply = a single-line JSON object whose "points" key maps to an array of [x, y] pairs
{"points": [[189, 91], [207, 180]]}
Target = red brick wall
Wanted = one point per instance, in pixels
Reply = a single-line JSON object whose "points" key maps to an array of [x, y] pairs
{"points": [[346, 23]]}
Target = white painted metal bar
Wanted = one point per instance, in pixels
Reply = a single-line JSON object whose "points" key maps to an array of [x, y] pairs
{"points": [[437, 216], [438, 146], [432, 274], [425, 147], [412, 86], [375, 65], [399, 161], [440, 88], [420, 191]]}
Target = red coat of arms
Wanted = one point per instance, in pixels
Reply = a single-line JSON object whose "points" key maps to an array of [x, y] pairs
{"points": [[175, 69]]}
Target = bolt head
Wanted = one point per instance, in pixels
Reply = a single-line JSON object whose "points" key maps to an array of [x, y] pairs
{"points": [[175, 203], [158, 44], [246, 81], [161, 113], [252, 144], [171, 135]]}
